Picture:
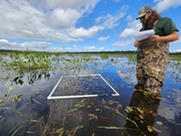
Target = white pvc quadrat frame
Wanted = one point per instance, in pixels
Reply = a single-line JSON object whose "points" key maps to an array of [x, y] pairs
{"points": [[79, 96]]}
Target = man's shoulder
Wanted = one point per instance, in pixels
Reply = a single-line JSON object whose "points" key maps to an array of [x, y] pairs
{"points": [[164, 19]]}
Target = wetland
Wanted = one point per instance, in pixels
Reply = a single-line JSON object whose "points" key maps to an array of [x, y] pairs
{"points": [[27, 78]]}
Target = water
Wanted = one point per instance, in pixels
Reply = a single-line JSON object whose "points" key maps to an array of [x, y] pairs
{"points": [[25, 110]]}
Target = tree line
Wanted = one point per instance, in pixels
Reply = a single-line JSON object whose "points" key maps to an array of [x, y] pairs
{"points": [[88, 52]]}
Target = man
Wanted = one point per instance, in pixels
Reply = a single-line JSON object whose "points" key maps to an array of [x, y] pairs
{"points": [[152, 53]]}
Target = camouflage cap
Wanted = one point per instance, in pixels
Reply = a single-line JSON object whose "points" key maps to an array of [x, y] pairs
{"points": [[143, 11]]}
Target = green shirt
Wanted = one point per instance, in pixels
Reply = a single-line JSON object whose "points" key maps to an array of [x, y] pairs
{"points": [[165, 26]]}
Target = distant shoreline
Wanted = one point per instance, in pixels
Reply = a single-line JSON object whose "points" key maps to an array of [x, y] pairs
{"points": [[88, 52]]}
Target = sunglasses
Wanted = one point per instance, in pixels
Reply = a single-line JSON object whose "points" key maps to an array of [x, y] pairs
{"points": [[143, 16]]}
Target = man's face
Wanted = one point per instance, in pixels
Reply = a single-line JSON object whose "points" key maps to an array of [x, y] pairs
{"points": [[145, 18]]}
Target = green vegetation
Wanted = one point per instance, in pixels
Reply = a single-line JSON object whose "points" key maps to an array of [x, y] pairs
{"points": [[29, 61], [25, 99], [175, 57]]}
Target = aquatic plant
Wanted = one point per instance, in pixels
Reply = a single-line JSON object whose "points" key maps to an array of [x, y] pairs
{"points": [[28, 62]]}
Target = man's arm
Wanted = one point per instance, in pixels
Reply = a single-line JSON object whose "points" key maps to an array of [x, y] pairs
{"points": [[169, 38]]}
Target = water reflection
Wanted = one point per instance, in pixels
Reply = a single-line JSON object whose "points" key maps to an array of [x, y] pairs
{"points": [[27, 111], [31, 77], [142, 111]]}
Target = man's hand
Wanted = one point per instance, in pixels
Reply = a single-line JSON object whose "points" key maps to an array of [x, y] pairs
{"points": [[154, 38], [169, 38], [137, 43]]}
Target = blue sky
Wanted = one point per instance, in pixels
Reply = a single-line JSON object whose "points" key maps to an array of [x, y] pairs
{"points": [[78, 25]]}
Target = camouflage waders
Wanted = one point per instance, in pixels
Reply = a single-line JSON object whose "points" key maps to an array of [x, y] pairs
{"points": [[151, 65]]}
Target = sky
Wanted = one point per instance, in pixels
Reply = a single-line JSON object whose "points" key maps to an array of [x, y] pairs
{"points": [[78, 25]]}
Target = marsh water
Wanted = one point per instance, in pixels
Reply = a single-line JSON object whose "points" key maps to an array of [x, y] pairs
{"points": [[26, 111]]}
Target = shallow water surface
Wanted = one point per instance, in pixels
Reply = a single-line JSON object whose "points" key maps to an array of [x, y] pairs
{"points": [[25, 109]]}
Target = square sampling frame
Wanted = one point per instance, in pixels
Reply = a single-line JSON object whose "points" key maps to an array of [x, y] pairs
{"points": [[82, 86]]}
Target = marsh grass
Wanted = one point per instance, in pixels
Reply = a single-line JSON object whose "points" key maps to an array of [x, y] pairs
{"points": [[29, 62], [175, 57], [60, 113]]}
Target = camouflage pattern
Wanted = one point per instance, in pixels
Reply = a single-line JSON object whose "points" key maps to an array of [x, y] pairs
{"points": [[140, 116], [151, 65]]}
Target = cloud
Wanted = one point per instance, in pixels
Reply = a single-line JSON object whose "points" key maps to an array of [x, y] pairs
{"points": [[62, 4], [101, 48], [53, 20], [165, 4], [127, 33], [103, 39], [109, 21], [38, 45], [81, 32], [63, 18], [132, 28], [45, 19], [91, 48], [5, 44], [179, 50], [129, 18], [123, 43], [75, 46]]}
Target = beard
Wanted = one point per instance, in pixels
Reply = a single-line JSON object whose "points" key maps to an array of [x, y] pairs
{"points": [[148, 24]]}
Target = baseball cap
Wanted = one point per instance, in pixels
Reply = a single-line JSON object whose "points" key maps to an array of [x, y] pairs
{"points": [[143, 11]]}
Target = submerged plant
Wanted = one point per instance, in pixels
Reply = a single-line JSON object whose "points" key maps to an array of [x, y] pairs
{"points": [[3, 101]]}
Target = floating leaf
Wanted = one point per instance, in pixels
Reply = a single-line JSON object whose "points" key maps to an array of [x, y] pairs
{"points": [[129, 109], [168, 96], [93, 134], [92, 116], [158, 131], [17, 98], [142, 122], [154, 114], [29, 132], [141, 116], [177, 90], [159, 123], [116, 111], [83, 101], [89, 106], [141, 111], [120, 106], [150, 128], [7, 108], [60, 131], [111, 102]]}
